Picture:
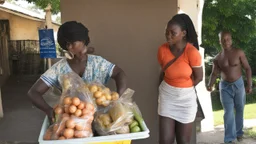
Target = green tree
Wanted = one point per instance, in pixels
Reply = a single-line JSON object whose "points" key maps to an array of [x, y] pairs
{"points": [[43, 4], [58, 19], [236, 16], [34, 8]]}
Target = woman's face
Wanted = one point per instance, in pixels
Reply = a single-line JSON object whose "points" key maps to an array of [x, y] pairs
{"points": [[78, 48], [174, 34]]}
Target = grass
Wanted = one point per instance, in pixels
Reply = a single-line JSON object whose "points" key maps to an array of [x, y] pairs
{"points": [[216, 104], [251, 132], [249, 113]]}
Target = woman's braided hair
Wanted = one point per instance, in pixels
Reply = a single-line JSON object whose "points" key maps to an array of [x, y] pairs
{"points": [[186, 24]]}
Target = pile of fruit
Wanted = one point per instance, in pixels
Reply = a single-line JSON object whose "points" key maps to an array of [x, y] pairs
{"points": [[103, 96], [73, 120], [121, 117], [74, 106], [83, 106]]}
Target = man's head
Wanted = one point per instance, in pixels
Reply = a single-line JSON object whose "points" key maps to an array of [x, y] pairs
{"points": [[225, 38]]}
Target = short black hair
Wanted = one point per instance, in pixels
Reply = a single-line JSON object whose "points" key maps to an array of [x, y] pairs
{"points": [[184, 21], [224, 32], [72, 31]]}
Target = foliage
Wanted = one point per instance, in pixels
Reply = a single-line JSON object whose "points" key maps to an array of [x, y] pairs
{"points": [[58, 19], [216, 104], [43, 4], [236, 16]]}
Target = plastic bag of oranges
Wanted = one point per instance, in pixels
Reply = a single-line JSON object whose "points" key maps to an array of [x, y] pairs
{"points": [[74, 113], [102, 95]]}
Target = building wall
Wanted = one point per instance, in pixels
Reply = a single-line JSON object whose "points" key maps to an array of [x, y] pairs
{"points": [[23, 28], [190, 7], [128, 33], [20, 29], [194, 9]]}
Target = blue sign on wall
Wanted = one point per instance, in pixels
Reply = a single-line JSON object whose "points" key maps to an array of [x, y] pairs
{"points": [[47, 43]]}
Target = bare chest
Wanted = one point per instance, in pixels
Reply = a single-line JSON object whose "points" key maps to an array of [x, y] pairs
{"points": [[229, 60]]}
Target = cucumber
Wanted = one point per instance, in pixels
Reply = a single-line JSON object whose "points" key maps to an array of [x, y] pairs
{"points": [[139, 119], [135, 129], [133, 124]]}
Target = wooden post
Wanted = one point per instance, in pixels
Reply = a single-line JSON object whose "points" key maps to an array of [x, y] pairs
{"points": [[48, 22], [1, 104]]}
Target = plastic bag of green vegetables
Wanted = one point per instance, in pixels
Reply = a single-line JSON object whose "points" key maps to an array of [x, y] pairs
{"points": [[138, 123]]}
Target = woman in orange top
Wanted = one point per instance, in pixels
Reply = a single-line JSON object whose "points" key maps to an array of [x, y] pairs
{"points": [[177, 105]]}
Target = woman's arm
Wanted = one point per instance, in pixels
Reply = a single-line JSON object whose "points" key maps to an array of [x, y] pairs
{"points": [[120, 78], [35, 94], [197, 75]]}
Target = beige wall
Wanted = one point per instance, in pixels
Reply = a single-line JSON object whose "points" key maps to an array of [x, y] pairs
{"points": [[194, 9], [128, 33], [23, 28], [190, 7]]}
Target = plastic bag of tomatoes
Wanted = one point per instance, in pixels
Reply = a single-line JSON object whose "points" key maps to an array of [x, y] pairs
{"points": [[75, 111]]}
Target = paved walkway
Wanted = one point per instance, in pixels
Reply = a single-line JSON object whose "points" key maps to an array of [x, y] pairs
{"points": [[22, 121], [217, 136]]}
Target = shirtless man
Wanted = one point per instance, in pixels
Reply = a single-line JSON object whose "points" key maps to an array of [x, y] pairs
{"points": [[229, 63]]}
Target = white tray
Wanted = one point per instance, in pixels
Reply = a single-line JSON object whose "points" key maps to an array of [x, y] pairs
{"points": [[98, 139]]}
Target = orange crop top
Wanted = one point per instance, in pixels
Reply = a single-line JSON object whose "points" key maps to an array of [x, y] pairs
{"points": [[179, 73]]}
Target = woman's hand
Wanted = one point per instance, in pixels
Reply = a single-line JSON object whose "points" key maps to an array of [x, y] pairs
{"points": [[121, 91], [51, 115], [120, 78], [209, 88]]}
